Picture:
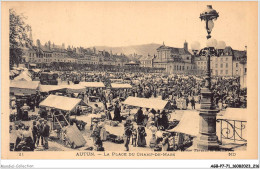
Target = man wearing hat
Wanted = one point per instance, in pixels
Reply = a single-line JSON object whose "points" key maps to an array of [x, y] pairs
{"points": [[165, 141], [46, 134], [40, 126], [128, 132], [25, 110], [34, 132], [95, 130]]}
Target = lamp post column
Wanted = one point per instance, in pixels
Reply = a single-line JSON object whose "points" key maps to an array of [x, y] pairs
{"points": [[207, 138]]}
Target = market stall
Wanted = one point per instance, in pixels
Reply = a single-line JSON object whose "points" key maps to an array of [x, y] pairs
{"points": [[50, 88], [62, 102], [92, 84], [23, 87], [75, 88], [152, 103], [59, 114], [24, 76], [121, 86], [186, 130], [93, 90]]}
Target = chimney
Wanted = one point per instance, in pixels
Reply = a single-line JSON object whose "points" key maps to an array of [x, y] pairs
{"points": [[185, 46]]}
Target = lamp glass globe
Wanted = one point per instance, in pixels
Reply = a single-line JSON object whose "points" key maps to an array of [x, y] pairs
{"points": [[211, 42], [210, 25], [221, 45]]}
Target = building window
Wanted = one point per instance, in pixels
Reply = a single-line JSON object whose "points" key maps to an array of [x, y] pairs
{"points": [[236, 64], [188, 58], [226, 65], [216, 71], [226, 72], [216, 65], [182, 67], [245, 70], [226, 59], [221, 65], [221, 72]]}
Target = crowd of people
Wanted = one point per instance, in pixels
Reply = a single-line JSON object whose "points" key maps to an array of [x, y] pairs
{"points": [[27, 138], [183, 92]]}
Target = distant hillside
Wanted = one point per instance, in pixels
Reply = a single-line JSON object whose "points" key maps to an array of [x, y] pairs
{"points": [[135, 49]]}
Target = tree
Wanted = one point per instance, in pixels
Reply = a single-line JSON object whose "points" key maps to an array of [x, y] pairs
{"points": [[18, 37]]}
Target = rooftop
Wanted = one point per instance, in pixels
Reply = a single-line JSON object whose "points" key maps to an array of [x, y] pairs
{"points": [[180, 51]]}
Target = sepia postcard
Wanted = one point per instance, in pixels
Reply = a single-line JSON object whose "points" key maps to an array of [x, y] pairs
{"points": [[129, 80]]}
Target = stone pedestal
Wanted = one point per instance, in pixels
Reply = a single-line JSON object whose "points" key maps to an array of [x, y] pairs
{"points": [[207, 138]]}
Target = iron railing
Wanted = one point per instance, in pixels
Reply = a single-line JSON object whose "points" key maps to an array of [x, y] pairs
{"points": [[232, 130]]}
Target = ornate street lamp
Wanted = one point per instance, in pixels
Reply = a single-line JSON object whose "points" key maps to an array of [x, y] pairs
{"points": [[208, 15], [207, 138]]}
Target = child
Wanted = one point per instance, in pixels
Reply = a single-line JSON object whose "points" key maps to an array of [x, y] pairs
{"points": [[134, 137]]}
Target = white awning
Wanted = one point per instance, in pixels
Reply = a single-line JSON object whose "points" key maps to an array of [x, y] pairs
{"points": [[156, 104], [24, 76], [92, 84], [47, 88], [122, 86], [36, 70], [61, 102], [189, 123], [24, 87], [24, 84], [69, 88], [75, 88]]}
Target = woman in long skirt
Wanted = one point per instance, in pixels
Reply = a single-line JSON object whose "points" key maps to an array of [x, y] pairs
{"points": [[103, 132], [141, 142], [153, 139]]}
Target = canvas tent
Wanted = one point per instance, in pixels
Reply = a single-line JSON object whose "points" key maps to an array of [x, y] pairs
{"points": [[23, 87], [24, 76], [92, 84], [13, 72], [156, 104], [74, 136], [36, 70], [120, 86], [189, 124], [62, 103], [48, 88], [69, 88], [75, 88]]}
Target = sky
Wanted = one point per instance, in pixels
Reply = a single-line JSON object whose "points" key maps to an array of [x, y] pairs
{"points": [[132, 23]]}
